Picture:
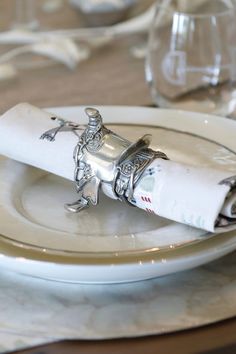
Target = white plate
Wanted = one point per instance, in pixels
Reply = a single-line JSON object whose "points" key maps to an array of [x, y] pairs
{"points": [[111, 242]]}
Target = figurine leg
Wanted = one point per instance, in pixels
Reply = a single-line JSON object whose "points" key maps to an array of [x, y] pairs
{"points": [[77, 206]]}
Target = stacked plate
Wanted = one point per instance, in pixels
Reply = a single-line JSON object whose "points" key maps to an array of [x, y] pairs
{"points": [[112, 242]]}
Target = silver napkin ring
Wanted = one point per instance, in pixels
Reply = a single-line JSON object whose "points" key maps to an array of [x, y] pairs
{"points": [[103, 158], [130, 171]]}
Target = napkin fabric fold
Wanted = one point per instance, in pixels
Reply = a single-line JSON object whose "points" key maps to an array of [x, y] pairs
{"points": [[187, 194]]}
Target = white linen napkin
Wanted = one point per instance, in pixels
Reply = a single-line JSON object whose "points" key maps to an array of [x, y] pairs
{"points": [[200, 197], [191, 195]]}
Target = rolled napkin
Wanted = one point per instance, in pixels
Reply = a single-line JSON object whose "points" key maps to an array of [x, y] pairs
{"points": [[200, 197]]}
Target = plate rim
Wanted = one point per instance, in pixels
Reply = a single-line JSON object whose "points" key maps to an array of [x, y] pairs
{"points": [[207, 119]]}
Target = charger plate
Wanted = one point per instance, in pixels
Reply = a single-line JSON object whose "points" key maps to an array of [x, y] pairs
{"points": [[112, 242]]}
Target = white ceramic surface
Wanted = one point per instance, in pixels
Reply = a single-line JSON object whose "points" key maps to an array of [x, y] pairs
{"points": [[112, 242]]}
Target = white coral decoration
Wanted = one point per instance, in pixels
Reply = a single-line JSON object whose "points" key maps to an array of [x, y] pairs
{"points": [[63, 50], [102, 5]]}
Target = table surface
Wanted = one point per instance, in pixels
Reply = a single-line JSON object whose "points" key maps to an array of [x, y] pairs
{"points": [[110, 77], [213, 339]]}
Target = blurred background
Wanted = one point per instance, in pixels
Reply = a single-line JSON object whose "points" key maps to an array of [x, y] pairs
{"points": [[91, 69], [167, 53]]}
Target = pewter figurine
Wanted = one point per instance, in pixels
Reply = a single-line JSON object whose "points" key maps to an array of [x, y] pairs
{"points": [[105, 160]]}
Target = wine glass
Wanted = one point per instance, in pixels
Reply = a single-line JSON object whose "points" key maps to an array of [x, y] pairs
{"points": [[191, 57]]}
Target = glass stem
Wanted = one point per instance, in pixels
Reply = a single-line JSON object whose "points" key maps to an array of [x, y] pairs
{"points": [[25, 15]]}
